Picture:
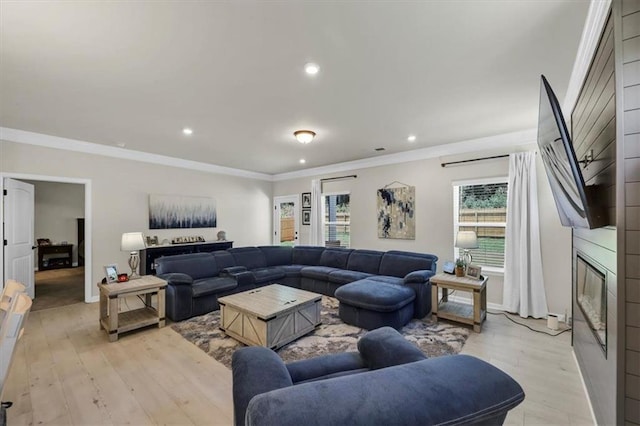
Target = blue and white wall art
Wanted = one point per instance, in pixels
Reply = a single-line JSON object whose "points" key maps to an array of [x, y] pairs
{"points": [[396, 213]]}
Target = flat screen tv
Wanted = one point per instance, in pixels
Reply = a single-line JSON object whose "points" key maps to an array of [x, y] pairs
{"points": [[576, 203]]}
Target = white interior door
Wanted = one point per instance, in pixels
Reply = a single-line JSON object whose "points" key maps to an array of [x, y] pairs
{"points": [[286, 220], [18, 233]]}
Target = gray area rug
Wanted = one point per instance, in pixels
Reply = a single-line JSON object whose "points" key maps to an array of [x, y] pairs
{"points": [[332, 336]]}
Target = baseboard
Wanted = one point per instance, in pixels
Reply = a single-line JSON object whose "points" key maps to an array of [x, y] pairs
{"points": [[584, 387]]}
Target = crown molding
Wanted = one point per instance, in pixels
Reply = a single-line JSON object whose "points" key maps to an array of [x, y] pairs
{"points": [[507, 140], [48, 141], [596, 18]]}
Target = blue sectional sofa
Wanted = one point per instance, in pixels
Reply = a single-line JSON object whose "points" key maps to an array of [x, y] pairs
{"points": [[389, 381], [197, 280]]}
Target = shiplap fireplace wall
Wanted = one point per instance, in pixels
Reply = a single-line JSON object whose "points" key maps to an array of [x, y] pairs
{"points": [[606, 123]]}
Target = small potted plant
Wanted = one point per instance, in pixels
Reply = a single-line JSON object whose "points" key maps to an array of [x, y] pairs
{"points": [[460, 267]]}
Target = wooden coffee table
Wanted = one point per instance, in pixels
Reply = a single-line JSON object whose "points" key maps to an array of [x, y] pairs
{"points": [[270, 316]]}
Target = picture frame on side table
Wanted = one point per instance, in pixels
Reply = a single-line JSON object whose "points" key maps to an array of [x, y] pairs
{"points": [[474, 271], [306, 201], [111, 272], [306, 217]]}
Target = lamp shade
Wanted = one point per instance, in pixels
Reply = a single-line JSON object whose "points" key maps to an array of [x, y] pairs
{"points": [[132, 241], [466, 240]]}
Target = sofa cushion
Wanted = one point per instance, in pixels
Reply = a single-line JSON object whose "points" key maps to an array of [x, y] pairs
{"points": [[207, 286], [365, 261], [270, 274], [277, 255], [335, 257], [224, 259], [400, 263], [384, 347], [375, 296], [196, 265], [386, 279], [343, 276], [251, 257], [317, 272], [307, 255], [292, 270]]}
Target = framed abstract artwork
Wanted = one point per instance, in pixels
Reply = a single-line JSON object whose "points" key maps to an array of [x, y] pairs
{"points": [[396, 213], [178, 211]]}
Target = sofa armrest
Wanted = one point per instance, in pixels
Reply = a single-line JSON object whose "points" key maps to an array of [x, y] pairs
{"points": [[255, 370], [384, 347], [457, 389], [233, 270], [176, 278], [327, 365], [418, 276]]}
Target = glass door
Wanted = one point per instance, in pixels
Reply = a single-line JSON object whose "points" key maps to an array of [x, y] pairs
{"points": [[286, 220]]}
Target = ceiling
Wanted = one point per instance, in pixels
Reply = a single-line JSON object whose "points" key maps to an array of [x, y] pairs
{"points": [[136, 73]]}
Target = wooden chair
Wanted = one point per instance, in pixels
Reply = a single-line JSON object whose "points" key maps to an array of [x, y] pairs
{"points": [[11, 329]]}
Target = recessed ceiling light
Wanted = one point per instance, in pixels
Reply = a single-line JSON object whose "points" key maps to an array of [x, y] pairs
{"points": [[121, 145], [187, 131], [411, 138], [302, 161], [311, 68]]}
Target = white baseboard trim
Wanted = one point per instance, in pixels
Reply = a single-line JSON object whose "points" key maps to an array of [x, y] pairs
{"points": [[584, 387], [92, 299]]}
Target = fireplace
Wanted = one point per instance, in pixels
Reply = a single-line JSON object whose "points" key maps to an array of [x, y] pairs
{"points": [[591, 295]]}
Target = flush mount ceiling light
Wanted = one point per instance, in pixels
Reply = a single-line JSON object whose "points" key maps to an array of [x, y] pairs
{"points": [[411, 138], [311, 68], [304, 136], [187, 131], [302, 161]]}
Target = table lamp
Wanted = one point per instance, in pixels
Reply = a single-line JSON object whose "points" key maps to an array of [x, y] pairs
{"points": [[466, 240], [133, 242]]}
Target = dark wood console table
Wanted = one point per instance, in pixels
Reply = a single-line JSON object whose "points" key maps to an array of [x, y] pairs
{"points": [[57, 256], [150, 254]]}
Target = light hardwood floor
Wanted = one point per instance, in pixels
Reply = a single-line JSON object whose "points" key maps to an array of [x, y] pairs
{"points": [[66, 372]]}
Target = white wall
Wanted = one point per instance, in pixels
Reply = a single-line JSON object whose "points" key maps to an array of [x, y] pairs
{"points": [[434, 215], [57, 206], [120, 192]]}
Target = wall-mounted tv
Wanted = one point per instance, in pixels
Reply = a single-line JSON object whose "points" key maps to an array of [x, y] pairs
{"points": [[577, 204]]}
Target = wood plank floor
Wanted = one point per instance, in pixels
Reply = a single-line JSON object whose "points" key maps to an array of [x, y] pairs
{"points": [[66, 372]]}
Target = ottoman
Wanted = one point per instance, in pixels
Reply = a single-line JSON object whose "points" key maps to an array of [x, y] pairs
{"points": [[372, 304]]}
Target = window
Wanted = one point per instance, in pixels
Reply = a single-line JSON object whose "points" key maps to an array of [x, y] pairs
{"points": [[481, 206], [337, 219]]}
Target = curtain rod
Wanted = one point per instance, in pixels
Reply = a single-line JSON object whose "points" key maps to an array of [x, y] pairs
{"points": [[474, 159], [339, 177]]}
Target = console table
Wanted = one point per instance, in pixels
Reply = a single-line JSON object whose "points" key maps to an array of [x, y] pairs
{"points": [[58, 256], [150, 254], [473, 314]]}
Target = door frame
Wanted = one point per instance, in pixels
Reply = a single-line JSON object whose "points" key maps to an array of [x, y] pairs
{"points": [[295, 199], [88, 298]]}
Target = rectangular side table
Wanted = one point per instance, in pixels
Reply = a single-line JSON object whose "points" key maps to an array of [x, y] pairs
{"points": [[115, 322], [473, 314]]}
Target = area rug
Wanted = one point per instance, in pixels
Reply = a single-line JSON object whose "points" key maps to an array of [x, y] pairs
{"points": [[333, 336]]}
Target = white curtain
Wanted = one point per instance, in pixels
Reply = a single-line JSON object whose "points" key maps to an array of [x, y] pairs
{"points": [[317, 234], [523, 290]]}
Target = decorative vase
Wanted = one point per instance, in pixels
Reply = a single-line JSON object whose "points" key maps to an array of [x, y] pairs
{"points": [[459, 271]]}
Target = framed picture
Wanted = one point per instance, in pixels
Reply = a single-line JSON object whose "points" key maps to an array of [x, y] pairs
{"points": [[111, 272], [473, 271], [306, 217], [306, 201]]}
